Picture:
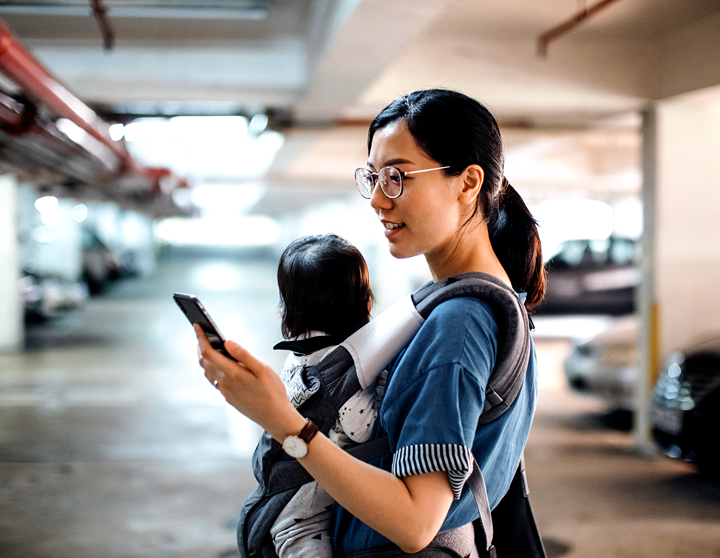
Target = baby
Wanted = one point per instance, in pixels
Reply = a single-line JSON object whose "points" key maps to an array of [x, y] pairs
{"points": [[325, 297]]}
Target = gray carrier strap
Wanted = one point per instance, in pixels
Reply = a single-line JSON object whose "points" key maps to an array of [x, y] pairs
{"points": [[476, 483], [513, 325]]}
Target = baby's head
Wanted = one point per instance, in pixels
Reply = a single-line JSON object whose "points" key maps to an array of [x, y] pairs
{"points": [[324, 286]]}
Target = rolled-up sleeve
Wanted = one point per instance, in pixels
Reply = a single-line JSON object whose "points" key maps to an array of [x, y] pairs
{"points": [[426, 458], [432, 407]]}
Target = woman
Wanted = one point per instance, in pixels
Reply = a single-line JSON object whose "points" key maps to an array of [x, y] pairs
{"points": [[437, 157]]}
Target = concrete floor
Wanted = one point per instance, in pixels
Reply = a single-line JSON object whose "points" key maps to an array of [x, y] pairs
{"points": [[112, 444]]}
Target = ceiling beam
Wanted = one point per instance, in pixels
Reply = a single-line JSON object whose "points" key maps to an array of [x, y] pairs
{"points": [[370, 38], [569, 24]]}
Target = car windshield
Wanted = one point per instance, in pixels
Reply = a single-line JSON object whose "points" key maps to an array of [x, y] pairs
{"points": [[596, 253]]}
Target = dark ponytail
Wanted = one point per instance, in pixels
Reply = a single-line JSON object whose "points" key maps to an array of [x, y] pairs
{"points": [[456, 130], [515, 240]]}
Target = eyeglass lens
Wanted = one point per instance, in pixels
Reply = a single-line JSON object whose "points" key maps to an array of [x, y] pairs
{"points": [[390, 182]]}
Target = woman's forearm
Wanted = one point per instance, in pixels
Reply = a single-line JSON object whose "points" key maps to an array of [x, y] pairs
{"points": [[409, 511]]}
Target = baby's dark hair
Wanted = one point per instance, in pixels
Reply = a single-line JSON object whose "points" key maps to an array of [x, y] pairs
{"points": [[324, 285]]}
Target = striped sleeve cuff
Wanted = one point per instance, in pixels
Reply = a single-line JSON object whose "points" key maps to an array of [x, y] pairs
{"points": [[425, 458]]}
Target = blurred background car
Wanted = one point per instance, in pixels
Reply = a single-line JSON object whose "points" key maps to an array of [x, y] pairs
{"points": [[685, 411], [50, 296], [593, 277], [100, 264], [606, 365]]}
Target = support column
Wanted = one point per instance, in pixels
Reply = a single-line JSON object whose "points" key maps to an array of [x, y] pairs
{"points": [[11, 317], [646, 299]]}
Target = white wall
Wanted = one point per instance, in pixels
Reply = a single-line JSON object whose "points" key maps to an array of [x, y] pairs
{"points": [[688, 218], [11, 326]]}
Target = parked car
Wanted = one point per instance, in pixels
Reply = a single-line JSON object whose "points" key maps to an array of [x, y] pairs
{"points": [[99, 263], [49, 296], [606, 365], [593, 277], [685, 411]]}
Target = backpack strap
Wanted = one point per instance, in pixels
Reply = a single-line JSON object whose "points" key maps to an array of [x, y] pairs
{"points": [[513, 339], [476, 483]]}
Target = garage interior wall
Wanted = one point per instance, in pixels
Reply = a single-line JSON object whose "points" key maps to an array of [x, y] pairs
{"points": [[688, 218], [11, 326]]}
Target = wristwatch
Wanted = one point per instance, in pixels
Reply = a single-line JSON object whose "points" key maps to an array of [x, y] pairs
{"points": [[297, 446]]}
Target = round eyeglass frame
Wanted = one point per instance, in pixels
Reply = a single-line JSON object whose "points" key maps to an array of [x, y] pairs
{"points": [[366, 180]]}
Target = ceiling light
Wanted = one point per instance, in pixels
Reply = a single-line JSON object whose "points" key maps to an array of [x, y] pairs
{"points": [[46, 205]]}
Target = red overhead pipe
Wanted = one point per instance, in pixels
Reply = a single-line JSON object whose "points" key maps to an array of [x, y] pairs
{"points": [[113, 171], [569, 24], [20, 66], [12, 113]]}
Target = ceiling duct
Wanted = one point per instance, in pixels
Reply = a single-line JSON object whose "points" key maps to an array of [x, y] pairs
{"points": [[53, 140], [569, 24]]}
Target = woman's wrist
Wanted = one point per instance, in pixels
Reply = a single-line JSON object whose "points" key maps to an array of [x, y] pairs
{"points": [[288, 426]]}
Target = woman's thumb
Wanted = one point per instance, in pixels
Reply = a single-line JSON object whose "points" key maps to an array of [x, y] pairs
{"points": [[234, 349]]}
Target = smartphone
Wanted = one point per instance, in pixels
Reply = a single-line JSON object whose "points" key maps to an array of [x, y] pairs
{"points": [[196, 314]]}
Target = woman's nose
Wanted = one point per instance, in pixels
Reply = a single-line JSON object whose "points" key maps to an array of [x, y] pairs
{"points": [[378, 199]]}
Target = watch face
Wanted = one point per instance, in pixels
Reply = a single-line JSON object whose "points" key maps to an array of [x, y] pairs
{"points": [[295, 447]]}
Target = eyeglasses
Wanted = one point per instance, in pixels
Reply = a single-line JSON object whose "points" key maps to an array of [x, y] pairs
{"points": [[390, 180]]}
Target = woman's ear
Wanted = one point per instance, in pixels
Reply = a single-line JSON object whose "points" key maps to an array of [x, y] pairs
{"points": [[472, 180]]}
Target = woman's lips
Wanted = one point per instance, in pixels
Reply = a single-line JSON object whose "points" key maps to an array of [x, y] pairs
{"points": [[391, 228]]}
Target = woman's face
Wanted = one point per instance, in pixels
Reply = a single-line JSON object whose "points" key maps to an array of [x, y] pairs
{"points": [[426, 218]]}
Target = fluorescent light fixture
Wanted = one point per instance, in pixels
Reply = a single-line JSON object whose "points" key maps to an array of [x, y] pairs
{"points": [[210, 149], [79, 212], [147, 130], [47, 205], [235, 198], [117, 132], [217, 128], [250, 231], [187, 129]]}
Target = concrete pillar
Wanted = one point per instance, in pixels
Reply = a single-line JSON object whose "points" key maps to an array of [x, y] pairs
{"points": [[11, 317], [646, 297]]}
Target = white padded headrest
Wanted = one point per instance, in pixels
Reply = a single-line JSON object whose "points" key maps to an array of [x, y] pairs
{"points": [[375, 345]]}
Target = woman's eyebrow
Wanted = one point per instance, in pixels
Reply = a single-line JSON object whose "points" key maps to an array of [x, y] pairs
{"points": [[391, 162]]}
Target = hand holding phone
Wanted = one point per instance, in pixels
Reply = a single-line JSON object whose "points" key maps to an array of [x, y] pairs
{"points": [[196, 314]]}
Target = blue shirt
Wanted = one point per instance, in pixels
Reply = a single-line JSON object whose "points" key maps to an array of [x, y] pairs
{"points": [[435, 394]]}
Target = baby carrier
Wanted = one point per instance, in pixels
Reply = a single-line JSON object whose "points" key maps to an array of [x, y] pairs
{"points": [[354, 365]]}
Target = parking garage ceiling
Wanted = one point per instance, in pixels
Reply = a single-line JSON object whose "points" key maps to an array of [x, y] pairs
{"points": [[323, 59], [317, 64]]}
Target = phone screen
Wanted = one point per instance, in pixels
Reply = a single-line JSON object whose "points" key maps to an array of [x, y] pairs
{"points": [[196, 314]]}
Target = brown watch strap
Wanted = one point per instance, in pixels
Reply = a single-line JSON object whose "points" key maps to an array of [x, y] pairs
{"points": [[308, 432]]}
